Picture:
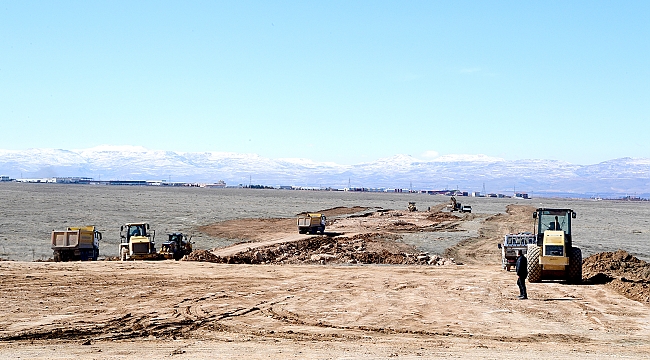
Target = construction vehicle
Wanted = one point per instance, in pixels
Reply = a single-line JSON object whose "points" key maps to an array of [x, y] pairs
{"points": [[311, 223], [412, 206], [76, 243], [512, 243], [456, 206], [137, 242], [176, 246], [554, 257]]}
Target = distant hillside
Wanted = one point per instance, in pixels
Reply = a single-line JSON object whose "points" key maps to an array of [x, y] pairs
{"points": [[625, 176]]}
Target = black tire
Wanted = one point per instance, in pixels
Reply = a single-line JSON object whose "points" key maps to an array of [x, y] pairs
{"points": [[508, 268], [57, 256], [574, 271], [534, 268]]}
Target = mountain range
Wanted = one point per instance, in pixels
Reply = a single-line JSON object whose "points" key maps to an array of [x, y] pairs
{"points": [[624, 176]]}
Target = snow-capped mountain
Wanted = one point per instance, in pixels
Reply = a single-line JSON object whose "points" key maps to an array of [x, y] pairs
{"points": [[465, 172]]}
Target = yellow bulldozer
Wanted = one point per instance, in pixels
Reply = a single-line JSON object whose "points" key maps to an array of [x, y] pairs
{"points": [[554, 257]]}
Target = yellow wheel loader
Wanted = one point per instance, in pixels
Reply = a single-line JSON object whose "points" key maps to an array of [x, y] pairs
{"points": [[137, 242]]}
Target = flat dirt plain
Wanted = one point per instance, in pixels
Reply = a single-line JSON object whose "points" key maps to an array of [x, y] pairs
{"points": [[260, 290]]}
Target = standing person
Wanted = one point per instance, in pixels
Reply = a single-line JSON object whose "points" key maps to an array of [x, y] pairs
{"points": [[522, 273]]}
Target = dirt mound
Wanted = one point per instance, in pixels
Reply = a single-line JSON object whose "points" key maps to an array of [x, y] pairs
{"points": [[622, 271], [442, 216], [339, 210], [201, 255], [369, 248]]}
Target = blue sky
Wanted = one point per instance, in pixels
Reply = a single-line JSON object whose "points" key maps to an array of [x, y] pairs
{"points": [[347, 82]]}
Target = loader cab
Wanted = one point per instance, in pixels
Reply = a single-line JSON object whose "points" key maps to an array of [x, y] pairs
{"points": [[129, 230], [176, 238], [553, 220]]}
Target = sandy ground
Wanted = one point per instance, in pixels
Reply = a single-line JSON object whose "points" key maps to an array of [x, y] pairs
{"points": [[201, 310]]}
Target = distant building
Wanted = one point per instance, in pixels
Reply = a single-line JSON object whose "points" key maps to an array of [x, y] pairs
{"points": [[521, 195], [73, 180], [476, 194], [218, 185], [4, 178], [42, 180]]}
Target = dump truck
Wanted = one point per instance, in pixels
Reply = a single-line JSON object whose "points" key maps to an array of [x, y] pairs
{"points": [[466, 209], [554, 257], [137, 242], [176, 246], [311, 223], [76, 243], [512, 243]]}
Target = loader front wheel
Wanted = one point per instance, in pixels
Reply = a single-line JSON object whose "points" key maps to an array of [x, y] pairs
{"points": [[574, 275], [534, 268], [123, 254]]}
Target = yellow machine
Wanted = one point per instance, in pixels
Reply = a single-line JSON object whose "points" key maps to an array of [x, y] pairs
{"points": [[311, 223], [177, 246], [412, 206], [554, 257], [137, 242], [76, 243]]}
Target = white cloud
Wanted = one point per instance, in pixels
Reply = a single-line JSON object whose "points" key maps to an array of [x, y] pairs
{"points": [[430, 154]]}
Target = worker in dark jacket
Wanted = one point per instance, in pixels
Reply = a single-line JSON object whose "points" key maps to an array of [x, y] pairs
{"points": [[522, 273]]}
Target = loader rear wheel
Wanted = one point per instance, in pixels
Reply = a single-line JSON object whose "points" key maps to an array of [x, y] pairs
{"points": [[534, 268], [123, 254], [574, 275]]}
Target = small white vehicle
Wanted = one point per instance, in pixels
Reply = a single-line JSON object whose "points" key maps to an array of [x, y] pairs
{"points": [[513, 243]]}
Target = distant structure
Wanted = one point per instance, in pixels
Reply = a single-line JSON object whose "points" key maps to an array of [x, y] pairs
{"points": [[522, 195], [5, 178], [218, 185]]}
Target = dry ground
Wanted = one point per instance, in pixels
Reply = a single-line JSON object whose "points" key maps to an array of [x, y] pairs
{"points": [[190, 310]]}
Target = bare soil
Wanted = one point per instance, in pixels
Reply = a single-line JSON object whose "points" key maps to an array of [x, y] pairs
{"points": [[286, 295]]}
